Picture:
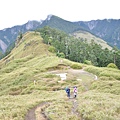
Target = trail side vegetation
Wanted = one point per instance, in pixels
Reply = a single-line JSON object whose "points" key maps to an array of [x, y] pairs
{"points": [[28, 78]]}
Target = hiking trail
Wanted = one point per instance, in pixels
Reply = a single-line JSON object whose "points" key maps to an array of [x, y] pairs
{"points": [[37, 113]]}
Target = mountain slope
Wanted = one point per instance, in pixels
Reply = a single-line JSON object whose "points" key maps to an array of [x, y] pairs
{"points": [[90, 37], [9, 35], [107, 29], [29, 46], [61, 24], [27, 60]]}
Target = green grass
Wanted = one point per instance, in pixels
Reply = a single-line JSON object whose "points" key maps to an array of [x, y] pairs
{"points": [[99, 106], [89, 37], [15, 107], [104, 71], [97, 99]]}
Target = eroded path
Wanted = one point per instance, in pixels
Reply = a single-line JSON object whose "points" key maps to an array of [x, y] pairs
{"points": [[37, 113]]}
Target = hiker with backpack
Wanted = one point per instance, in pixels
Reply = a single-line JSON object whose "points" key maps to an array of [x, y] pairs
{"points": [[68, 91], [75, 92]]}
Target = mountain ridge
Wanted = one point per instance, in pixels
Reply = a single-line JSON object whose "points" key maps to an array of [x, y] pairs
{"points": [[107, 29]]}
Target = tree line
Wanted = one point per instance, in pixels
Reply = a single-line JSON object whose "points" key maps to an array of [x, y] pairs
{"points": [[79, 50]]}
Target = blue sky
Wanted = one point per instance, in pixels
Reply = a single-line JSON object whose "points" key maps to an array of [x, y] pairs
{"points": [[17, 12]]}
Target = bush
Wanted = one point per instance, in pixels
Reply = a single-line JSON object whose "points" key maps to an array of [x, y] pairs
{"points": [[52, 49], [88, 62], [94, 70], [112, 65], [62, 55], [76, 66]]}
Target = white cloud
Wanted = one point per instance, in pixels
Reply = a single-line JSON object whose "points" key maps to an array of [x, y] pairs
{"points": [[15, 12]]}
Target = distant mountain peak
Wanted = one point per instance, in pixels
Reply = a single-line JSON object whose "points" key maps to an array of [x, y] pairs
{"points": [[49, 17]]}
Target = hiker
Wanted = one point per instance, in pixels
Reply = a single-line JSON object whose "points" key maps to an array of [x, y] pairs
{"points": [[75, 92], [68, 91]]}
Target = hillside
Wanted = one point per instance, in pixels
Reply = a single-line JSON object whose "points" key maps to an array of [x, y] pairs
{"points": [[9, 35], [28, 79], [92, 50], [107, 29], [90, 37]]}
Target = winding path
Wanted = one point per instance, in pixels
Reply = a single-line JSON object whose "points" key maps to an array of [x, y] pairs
{"points": [[37, 113], [40, 113]]}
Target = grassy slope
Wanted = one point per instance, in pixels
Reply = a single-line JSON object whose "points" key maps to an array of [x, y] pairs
{"points": [[30, 61], [89, 37]]}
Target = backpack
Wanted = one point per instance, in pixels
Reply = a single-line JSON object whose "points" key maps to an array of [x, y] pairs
{"points": [[67, 90]]}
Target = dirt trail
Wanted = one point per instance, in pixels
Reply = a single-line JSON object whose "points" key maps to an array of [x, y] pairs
{"points": [[39, 112], [74, 100], [74, 109]]}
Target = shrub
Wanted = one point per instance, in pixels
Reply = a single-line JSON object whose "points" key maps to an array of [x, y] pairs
{"points": [[111, 65], [52, 49], [94, 70], [76, 66], [88, 62], [62, 55]]}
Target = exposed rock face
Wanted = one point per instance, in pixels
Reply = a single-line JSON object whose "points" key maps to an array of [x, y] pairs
{"points": [[3, 46], [92, 24]]}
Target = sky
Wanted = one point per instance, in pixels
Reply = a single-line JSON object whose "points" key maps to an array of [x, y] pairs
{"points": [[18, 12]]}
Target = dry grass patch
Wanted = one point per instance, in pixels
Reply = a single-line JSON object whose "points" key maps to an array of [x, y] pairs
{"points": [[99, 106]]}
